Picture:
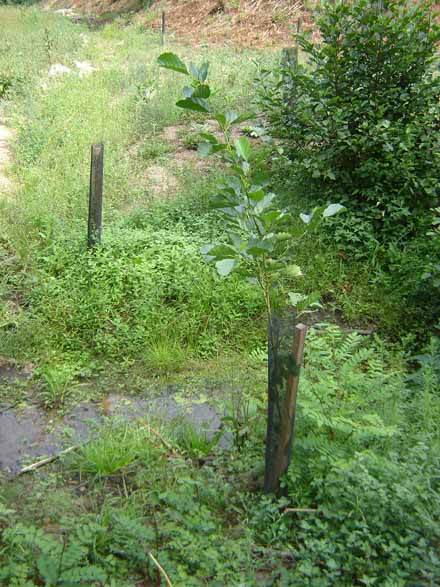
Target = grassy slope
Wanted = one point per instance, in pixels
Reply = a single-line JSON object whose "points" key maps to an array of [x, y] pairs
{"points": [[361, 434]]}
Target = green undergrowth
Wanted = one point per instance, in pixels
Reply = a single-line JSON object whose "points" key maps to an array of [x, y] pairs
{"points": [[139, 289], [143, 313], [360, 504], [147, 288]]}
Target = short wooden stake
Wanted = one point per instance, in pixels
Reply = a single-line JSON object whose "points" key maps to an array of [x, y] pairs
{"points": [[164, 28], [95, 196], [284, 373], [298, 30]]}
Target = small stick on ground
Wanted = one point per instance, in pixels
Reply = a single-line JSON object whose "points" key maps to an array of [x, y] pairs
{"points": [[48, 460], [300, 511], [167, 445], [161, 569], [10, 407]]}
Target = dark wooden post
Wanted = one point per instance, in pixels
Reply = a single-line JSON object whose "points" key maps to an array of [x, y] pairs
{"points": [[164, 28], [95, 196], [290, 55], [286, 348], [298, 30]]}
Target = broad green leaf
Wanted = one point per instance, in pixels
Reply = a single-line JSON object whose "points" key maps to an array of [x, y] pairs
{"points": [[245, 117], [205, 250], [231, 116], [260, 179], [196, 104], [203, 72], [202, 91], [200, 74], [171, 61], [221, 119], [256, 195], [295, 298], [264, 203], [293, 271], [225, 266], [236, 241], [210, 138], [243, 148], [187, 92], [194, 71], [234, 183], [332, 209], [271, 216], [306, 218], [257, 247], [222, 251], [206, 149]]}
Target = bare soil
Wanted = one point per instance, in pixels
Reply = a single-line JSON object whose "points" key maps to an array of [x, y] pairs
{"points": [[6, 136]]}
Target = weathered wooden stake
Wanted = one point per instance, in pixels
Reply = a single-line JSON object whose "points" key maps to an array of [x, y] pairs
{"points": [[95, 196], [298, 30], [164, 28], [284, 372]]}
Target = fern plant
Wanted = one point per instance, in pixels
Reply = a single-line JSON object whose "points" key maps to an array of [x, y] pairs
{"points": [[350, 396]]}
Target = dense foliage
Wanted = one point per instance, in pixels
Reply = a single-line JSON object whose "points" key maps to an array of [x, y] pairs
{"points": [[360, 119], [144, 314], [361, 504]]}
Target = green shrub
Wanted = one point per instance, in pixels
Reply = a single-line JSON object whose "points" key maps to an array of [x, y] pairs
{"points": [[379, 523], [360, 121]]}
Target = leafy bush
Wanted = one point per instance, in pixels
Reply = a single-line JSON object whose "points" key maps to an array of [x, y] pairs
{"points": [[360, 120], [379, 523]]}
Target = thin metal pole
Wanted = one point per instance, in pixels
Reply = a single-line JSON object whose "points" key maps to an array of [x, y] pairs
{"points": [[94, 233]]}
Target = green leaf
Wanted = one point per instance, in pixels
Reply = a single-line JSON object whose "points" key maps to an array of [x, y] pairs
{"points": [[221, 119], [271, 216], [194, 71], [231, 116], [48, 568], [206, 149], [171, 61], [219, 251], [210, 138], [187, 92], [264, 203], [332, 209], [225, 266], [245, 117], [256, 195], [202, 91], [203, 72], [293, 271], [295, 298], [195, 104], [258, 247], [243, 148]]}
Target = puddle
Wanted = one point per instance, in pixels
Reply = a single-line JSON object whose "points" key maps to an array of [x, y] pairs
{"points": [[27, 435]]}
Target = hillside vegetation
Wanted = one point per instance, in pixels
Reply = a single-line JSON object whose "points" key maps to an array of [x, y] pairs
{"points": [[145, 315]]}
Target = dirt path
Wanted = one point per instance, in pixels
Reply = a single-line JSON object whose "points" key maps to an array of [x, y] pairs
{"points": [[6, 136]]}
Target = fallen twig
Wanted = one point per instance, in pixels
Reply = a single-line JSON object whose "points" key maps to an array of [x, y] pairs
{"points": [[161, 569], [10, 407], [48, 460], [300, 510], [55, 457], [157, 434]]}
